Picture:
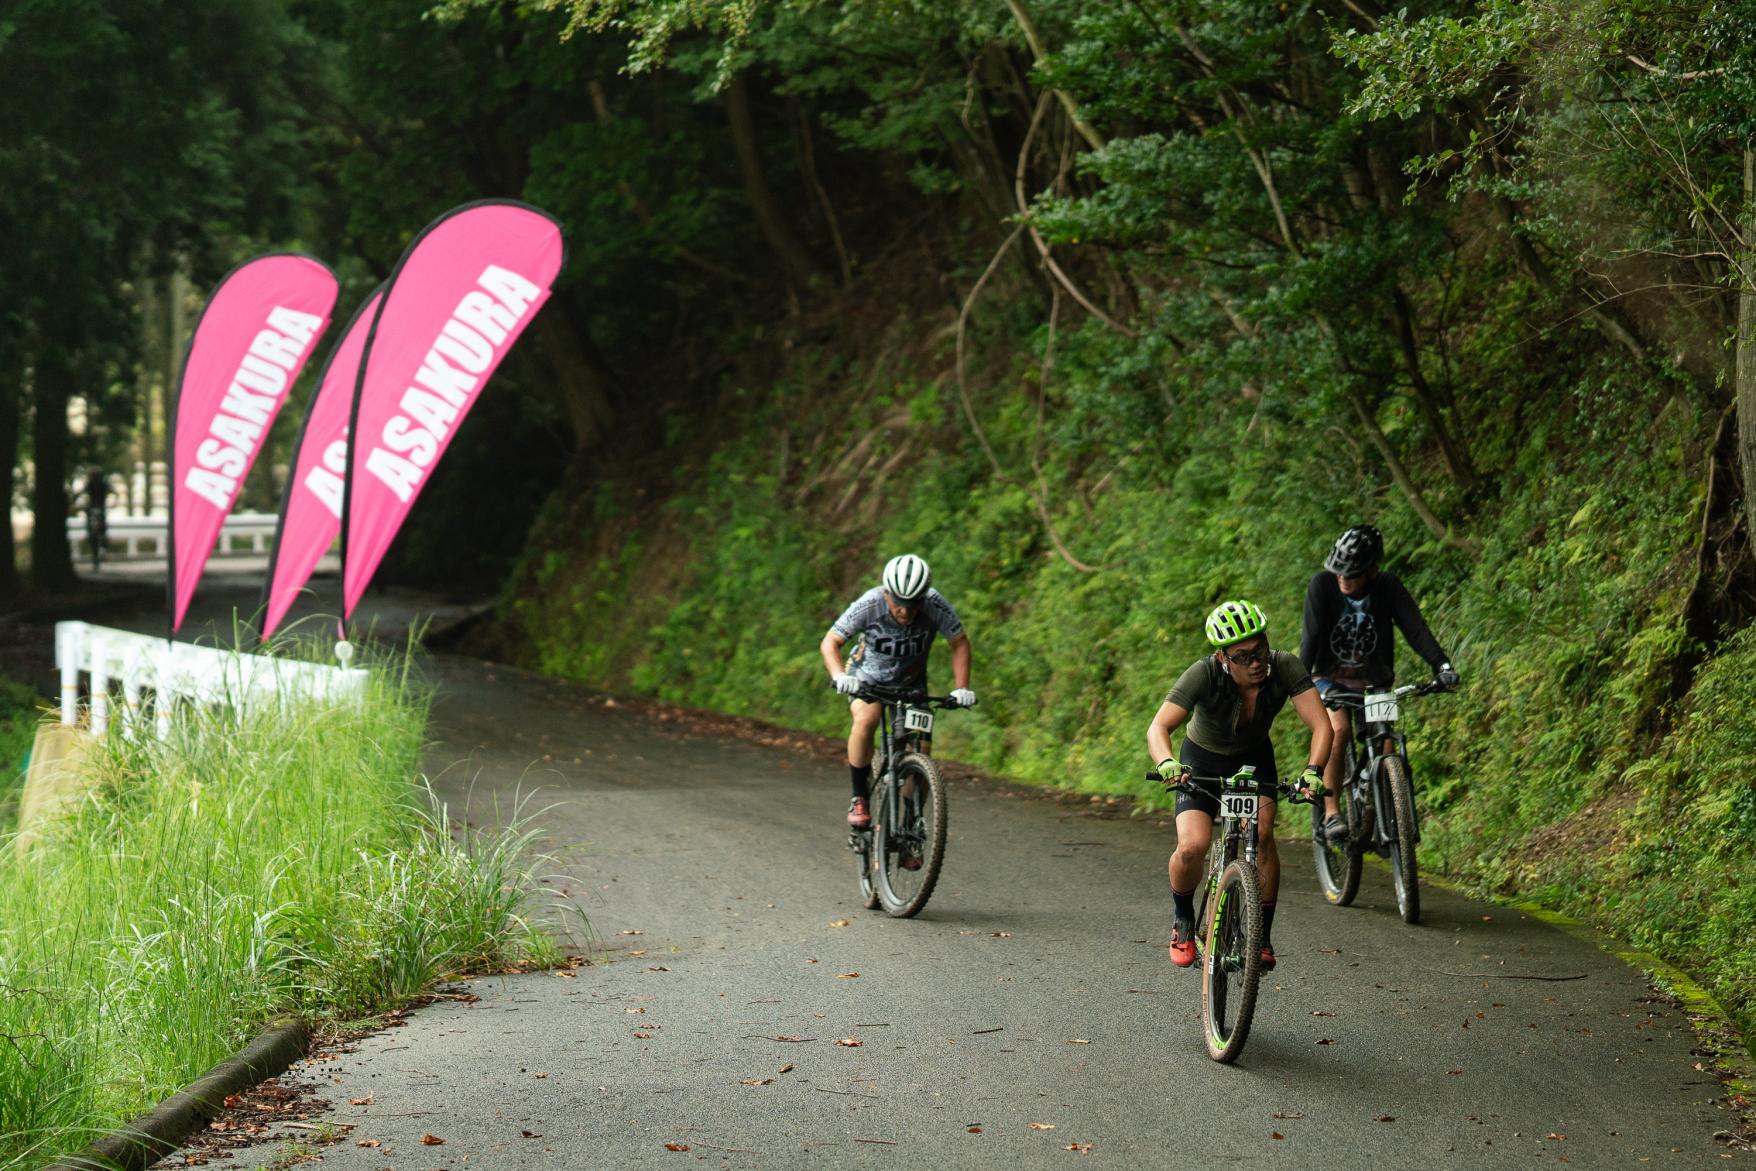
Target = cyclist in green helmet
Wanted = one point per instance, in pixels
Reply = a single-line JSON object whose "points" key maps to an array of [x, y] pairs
{"points": [[1229, 700]]}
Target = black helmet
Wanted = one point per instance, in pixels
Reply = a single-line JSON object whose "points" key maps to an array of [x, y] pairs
{"points": [[1355, 551]]}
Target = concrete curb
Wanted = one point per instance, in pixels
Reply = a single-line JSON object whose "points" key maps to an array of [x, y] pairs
{"points": [[162, 1130]]}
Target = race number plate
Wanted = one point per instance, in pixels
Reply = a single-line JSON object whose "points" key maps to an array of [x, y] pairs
{"points": [[1237, 805], [917, 719], [1381, 707]]}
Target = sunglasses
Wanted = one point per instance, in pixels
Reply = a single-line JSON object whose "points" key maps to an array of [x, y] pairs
{"points": [[1245, 658]]}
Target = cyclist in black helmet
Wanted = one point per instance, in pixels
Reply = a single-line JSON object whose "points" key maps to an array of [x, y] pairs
{"points": [[1347, 641], [895, 623]]}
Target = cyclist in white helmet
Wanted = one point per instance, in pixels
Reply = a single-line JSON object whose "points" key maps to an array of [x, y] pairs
{"points": [[1229, 699], [895, 623]]}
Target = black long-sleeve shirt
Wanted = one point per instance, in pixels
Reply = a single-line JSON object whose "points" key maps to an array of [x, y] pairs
{"points": [[1349, 639]]}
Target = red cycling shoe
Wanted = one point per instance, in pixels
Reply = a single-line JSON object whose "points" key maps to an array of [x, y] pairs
{"points": [[1183, 943]]}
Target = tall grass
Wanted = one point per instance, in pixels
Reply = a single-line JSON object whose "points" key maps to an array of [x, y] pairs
{"points": [[254, 861]]}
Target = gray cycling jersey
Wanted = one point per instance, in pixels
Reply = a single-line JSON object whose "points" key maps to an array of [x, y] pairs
{"points": [[889, 652]]}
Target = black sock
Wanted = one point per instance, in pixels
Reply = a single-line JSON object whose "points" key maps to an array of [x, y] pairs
{"points": [[861, 776], [1267, 923], [1183, 903]]}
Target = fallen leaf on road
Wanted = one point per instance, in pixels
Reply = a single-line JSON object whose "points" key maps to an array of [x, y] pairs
{"points": [[1275, 1134], [635, 1009], [1042, 1126], [368, 1142], [1001, 934], [632, 931], [366, 1101], [658, 968], [432, 1140], [676, 1146], [1286, 1114], [1487, 918], [975, 1130], [756, 1081], [1452, 1072], [787, 1068], [792, 1040], [566, 974], [643, 1036], [1383, 1118], [1326, 1040], [1320, 1012], [838, 922], [641, 952], [1553, 1135], [850, 1042], [530, 1134], [1077, 1041], [847, 976], [1082, 1148], [1329, 951], [539, 1075]]}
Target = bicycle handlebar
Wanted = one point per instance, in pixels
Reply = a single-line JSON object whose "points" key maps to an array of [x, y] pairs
{"points": [[1293, 793], [1340, 697], [879, 693]]}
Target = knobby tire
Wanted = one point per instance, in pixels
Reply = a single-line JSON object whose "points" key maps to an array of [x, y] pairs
{"points": [[1402, 849], [903, 893], [1231, 967]]}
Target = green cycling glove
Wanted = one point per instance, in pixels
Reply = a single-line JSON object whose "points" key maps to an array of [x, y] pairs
{"points": [[1171, 770], [1312, 778]]}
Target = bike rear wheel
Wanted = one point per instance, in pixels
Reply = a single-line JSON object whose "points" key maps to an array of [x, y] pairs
{"points": [[1339, 863], [1402, 845], [1231, 969], [909, 829]]}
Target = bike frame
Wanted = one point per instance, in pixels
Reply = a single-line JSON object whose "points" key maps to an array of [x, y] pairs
{"points": [[1376, 742]]}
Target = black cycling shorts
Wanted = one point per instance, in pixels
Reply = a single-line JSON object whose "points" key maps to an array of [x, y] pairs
{"points": [[1215, 764]]}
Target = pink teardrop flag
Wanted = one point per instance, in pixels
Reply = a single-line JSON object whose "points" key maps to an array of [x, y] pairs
{"points": [[253, 339], [310, 515], [462, 293]]}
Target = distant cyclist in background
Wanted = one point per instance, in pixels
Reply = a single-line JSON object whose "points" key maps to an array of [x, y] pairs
{"points": [[1347, 641], [1230, 699], [895, 624], [96, 491]]}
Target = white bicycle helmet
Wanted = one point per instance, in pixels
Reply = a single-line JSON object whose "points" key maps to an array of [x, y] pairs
{"points": [[906, 578]]}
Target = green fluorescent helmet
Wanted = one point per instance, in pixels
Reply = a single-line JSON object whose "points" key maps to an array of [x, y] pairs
{"points": [[1235, 621]]}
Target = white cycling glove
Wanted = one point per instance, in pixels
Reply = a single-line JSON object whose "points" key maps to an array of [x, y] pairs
{"points": [[846, 684], [963, 697]]}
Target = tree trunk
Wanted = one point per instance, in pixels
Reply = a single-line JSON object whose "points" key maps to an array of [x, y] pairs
{"points": [[1400, 474], [1745, 376], [578, 381], [769, 220], [1457, 461], [51, 558], [9, 396]]}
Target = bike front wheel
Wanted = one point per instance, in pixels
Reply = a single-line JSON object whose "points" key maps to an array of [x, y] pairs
{"points": [[1231, 967], [1339, 863], [908, 835], [1402, 845]]}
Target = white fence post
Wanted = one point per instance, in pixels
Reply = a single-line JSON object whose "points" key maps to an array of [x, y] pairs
{"points": [[183, 671]]}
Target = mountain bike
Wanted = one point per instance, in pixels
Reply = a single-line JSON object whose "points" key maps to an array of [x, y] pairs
{"points": [[1228, 914], [901, 853], [1376, 800]]}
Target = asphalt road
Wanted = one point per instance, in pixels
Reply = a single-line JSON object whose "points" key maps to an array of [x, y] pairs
{"points": [[1027, 1018]]}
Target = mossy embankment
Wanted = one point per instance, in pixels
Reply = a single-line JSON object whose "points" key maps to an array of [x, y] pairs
{"points": [[1083, 543]]}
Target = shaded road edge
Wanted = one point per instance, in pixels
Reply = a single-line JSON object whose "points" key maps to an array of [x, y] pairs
{"points": [[161, 1130]]}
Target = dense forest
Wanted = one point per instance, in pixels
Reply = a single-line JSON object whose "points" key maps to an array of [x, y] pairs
{"points": [[1110, 309]]}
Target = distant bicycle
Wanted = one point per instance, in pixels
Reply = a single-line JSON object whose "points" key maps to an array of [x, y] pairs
{"points": [[1376, 800], [1228, 917], [900, 855]]}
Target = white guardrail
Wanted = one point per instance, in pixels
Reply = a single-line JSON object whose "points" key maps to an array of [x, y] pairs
{"points": [[144, 536], [173, 671]]}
